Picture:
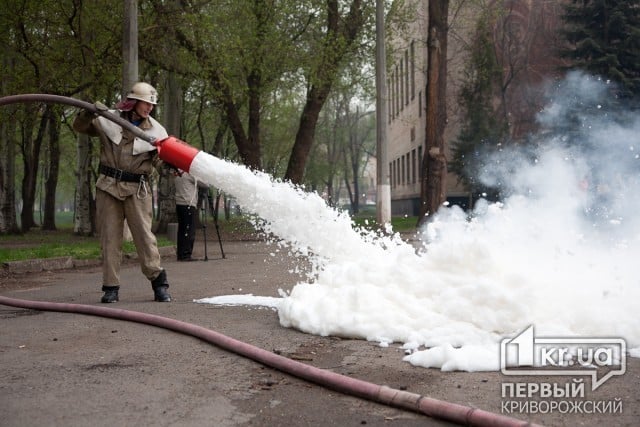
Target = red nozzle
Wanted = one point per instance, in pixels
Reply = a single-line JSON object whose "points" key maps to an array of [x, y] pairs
{"points": [[176, 152]]}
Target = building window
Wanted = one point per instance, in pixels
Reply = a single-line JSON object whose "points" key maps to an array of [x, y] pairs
{"points": [[406, 77], [420, 161], [413, 166], [408, 170], [393, 94], [401, 78], [397, 85], [420, 104], [413, 69], [389, 100], [392, 173], [405, 170]]}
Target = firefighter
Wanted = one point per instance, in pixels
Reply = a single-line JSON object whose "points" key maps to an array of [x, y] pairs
{"points": [[123, 191]]}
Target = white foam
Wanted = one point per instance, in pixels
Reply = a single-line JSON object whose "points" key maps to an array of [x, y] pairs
{"points": [[244, 299], [534, 259]]}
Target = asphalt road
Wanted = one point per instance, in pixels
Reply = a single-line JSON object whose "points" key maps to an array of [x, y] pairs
{"points": [[62, 369]]}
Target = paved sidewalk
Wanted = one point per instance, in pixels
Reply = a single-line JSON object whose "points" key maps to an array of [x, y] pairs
{"points": [[63, 369]]}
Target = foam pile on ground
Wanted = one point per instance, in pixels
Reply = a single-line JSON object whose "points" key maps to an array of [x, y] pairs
{"points": [[537, 258]]}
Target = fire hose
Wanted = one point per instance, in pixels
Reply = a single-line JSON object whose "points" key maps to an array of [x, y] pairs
{"points": [[59, 99], [176, 153], [172, 150], [182, 155], [459, 414]]}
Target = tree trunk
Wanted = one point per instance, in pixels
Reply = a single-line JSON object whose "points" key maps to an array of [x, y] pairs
{"points": [[347, 185], [355, 171], [8, 219], [253, 149], [166, 201], [341, 34], [84, 209], [306, 133], [356, 147], [51, 184], [173, 105], [218, 141], [434, 165], [249, 153], [254, 83], [84, 216], [335, 149], [166, 184], [31, 158]]}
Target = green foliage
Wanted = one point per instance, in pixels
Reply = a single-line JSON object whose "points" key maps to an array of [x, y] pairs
{"points": [[51, 42], [603, 37], [483, 129], [279, 126], [224, 52], [248, 75], [53, 47]]}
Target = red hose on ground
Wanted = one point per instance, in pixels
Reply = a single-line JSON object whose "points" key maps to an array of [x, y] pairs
{"points": [[180, 152], [459, 414]]}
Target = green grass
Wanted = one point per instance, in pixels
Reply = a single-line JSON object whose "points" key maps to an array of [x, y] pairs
{"points": [[85, 250], [62, 242], [236, 224], [52, 244], [399, 224]]}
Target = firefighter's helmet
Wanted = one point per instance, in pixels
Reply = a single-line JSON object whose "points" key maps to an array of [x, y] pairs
{"points": [[143, 92]]}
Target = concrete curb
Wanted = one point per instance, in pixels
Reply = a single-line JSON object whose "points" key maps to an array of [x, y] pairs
{"points": [[66, 263]]}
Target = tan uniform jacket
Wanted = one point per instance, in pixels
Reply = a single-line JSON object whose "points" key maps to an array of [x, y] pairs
{"points": [[118, 200], [120, 149]]}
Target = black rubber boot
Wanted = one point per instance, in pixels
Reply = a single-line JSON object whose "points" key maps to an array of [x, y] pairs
{"points": [[160, 286], [110, 294]]}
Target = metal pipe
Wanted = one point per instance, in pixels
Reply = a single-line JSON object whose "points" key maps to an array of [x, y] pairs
{"points": [[59, 99], [435, 408]]}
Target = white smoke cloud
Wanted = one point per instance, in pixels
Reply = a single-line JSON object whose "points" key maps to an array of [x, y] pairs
{"points": [[559, 252], [585, 162]]}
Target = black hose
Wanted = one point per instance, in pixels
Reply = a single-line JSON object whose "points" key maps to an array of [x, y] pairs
{"points": [[59, 99]]}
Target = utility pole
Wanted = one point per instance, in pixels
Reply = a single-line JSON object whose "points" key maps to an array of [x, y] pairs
{"points": [[130, 60], [130, 46], [383, 188]]}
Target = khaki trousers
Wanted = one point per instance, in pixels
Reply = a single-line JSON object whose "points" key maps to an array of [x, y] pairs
{"points": [[111, 213]]}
